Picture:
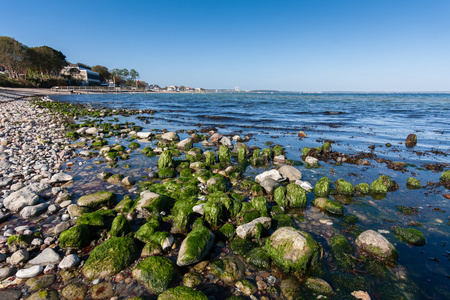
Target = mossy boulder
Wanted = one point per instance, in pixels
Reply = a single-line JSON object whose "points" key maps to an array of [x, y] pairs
{"points": [[165, 160], [322, 187], [246, 287], [290, 287], [344, 187], [293, 250], [210, 158], [192, 280], [213, 212], [411, 140], [182, 212], [260, 204], [150, 202], [381, 185], [41, 282], [410, 235], [148, 151], [413, 183], [259, 258], [120, 226], [342, 251], [374, 244], [445, 177], [182, 293], [362, 188], [110, 257], [44, 295], [164, 173], [228, 269], [124, 206], [216, 184], [319, 286], [296, 195], [195, 246], [329, 206], [76, 237], [74, 291], [326, 147], [279, 196], [98, 200], [278, 150], [241, 246], [224, 154], [242, 154], [134, 145], [115, 179], [282, 220], [93, 219], [156, 273], [226, 232]]}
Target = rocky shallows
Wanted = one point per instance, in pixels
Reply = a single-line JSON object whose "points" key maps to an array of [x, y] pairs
{"points": [[98, 208]]}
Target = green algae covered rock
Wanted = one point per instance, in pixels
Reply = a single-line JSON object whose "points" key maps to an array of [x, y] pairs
{"points": [[242, 154], [241, 246], [74, 291], [246, 287], [279, 196], [413, 183], [278, 150], [210, 158], [44, 295], [282, 220], [290, 287], [319, 286], [226, 232], [216, 184], [41, 282], [164, 173], [344, 187], [326, 147], [110, 257], [124, 206], [148, 151], [293, 250], [411, 140], [94, 219], [381, 185], [329, 206], [165, 160], [156, 273], [182, 212], [224, 154], [296, 195], [374, 244], [150, 202], [98, 200], [212, 212], [259, 258], [120, 226], [342, 251], [260, 204], [362, 188], [76, 237], [228, 269], [411, 236], [445, 177], [322, 187], [192, 280], [182, 293], [134, 145], [195, 246]]}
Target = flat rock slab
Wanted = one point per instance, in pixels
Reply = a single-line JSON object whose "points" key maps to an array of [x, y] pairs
{"points": [[20, 199], [61, 177], [4, 181], [30, 272], [290, 172], [46, 257], [31, 211], [11, 294]]}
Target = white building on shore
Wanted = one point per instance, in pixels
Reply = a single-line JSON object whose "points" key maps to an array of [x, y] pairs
{"points": [[82, 73]]}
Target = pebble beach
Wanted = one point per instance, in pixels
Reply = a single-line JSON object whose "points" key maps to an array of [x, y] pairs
{"points": [[185, 222]]}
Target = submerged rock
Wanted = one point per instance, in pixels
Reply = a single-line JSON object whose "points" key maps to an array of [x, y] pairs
{"points": [[344, 187], [228, 269], [329, 206], [410, 235], [413, 183], [322, 187], [375, 244], [293, 250], [381, 185], [98, 200]]}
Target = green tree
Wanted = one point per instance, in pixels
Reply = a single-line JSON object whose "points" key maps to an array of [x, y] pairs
{"points": [[13, 56], [103, 71], [134, 74], [46, 60]]}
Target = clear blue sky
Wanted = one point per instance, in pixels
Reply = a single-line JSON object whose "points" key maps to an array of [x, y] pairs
{"points": [[303, 45]]}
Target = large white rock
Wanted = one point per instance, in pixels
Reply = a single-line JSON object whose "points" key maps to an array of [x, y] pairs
{"points": [[92, 131], [272, 174], [61, 177], [33, 210], [170, 136], [19, 256], [248, 229], [185, 144], [46, 257], [290, 172], [70, 261], [143, 135], [18, 200], [375, 244], [30, 272], [226, 142], [39, 188], [145, 199], [311, 160]]}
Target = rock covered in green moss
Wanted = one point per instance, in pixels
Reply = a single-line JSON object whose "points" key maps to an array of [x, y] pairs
{"points": [[226, 232], [329, 206], [224, 154], [319, 286], [212, 212], [260, 204], [166, 173], [150, 202], [192, 280], [76, 237], [381, 185], [195, 246], [246, 287], [93, 219], [293, 250], [165, 160], [134, 145], [413, 183], [278, 150], [342, 251], [249, 229], [290, 287], [148, 151], [210, 158], [120, 226], [259, 258], [377, 245], [362, 188], [344, 187], [156, 273], [240, 246], [182, 293], [296, 195], [41, 282], [411, 236], [279, 196], [322, 187], [74, 291], [110, 257], [124, 206], [242, 154], [228, 269], [445, 177], [98, 200], [216, 184], [44, 295], [411, 140]]}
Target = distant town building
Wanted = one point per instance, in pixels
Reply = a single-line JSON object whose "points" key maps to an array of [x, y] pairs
{"points": [[83, 73], [237, 89]]}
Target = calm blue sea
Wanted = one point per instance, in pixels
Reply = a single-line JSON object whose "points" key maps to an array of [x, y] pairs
{"points": [[352, 123]]}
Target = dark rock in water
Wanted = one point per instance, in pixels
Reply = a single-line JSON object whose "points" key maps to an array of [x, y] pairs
{"points": [[411, 140], [411, 236]]}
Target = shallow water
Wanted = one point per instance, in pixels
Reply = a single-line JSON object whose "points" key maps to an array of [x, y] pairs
{"points": [[353, 122]]}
